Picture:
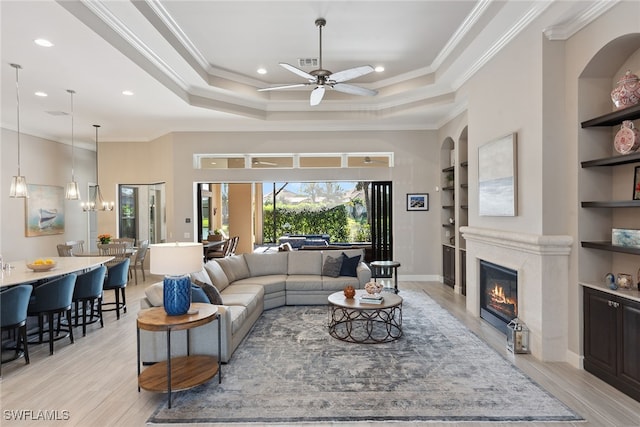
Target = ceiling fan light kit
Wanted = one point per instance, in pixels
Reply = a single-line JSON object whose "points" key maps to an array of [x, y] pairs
{"points": [[322, 78]]}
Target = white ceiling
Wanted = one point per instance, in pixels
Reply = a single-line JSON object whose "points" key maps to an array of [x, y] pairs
{"points": [[192, 64]]}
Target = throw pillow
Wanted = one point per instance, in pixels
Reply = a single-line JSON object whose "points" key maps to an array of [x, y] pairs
{"points": [[211, 291], [201, 276], [331, 267], [349, 265], [198, 295]]}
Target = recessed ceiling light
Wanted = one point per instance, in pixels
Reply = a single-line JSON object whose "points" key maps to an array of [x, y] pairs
{"points": [[42, 94], [379, 69], [43, 42], [127, 93], [262, 71]]}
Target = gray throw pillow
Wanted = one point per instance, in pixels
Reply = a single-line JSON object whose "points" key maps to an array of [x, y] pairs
{"points": [[331, 267], [211, 291]]}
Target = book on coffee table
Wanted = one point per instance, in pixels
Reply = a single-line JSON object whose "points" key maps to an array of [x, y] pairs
{"points": [[371, 299]]}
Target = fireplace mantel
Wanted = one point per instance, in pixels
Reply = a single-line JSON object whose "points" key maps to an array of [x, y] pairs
{"points": [[542, 263], [525, 242]]}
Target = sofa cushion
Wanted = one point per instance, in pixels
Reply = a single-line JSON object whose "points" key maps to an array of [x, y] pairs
{"points": [[305, 262], [250, 296], [211, 292], [349, 265], [304, 282], [338, 283], [271, 284], [234, 267], [266, 264], [217, 277], [331, 266]]}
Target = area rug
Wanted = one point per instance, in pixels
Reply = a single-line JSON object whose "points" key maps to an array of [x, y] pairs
{"points": [[288, 370]]}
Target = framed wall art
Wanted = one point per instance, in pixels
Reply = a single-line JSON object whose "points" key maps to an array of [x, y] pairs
{"points": [[44, 210], [497, 177], [636, 184], [418, 202]]}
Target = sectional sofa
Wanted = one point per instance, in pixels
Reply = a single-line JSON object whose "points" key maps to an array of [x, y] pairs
{"points": [[253, 282]]}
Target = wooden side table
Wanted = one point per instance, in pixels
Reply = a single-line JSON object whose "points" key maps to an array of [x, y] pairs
{"points": [[386, 266], [184, 372]]}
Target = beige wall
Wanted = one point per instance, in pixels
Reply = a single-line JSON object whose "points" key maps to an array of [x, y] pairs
{"points": [[43, 162]]}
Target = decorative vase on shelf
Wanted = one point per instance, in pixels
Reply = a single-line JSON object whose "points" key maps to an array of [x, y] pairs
{"points": [[627, 139], [627, 93]]}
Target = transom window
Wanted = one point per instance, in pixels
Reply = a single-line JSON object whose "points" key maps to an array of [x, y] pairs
{"points": [[293, 161]]}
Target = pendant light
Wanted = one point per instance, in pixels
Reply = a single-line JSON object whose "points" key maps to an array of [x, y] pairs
{"points": [[98, 203], [18, 182], [73, 192]]}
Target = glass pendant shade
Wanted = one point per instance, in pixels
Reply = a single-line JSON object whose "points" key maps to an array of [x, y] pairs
{"points": [[19, 186], [73, 192]]}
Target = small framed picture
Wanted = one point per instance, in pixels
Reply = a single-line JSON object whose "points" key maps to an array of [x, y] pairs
{"points": [[418, 202], [636, 184]]}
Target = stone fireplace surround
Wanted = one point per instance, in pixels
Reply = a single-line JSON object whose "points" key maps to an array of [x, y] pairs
{"points": [[542, 263]]}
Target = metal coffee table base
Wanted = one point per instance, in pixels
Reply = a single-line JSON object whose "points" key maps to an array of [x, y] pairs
{"points": [[365, 326]]}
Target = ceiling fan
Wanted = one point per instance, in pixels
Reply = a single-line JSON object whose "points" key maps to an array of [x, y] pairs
{"points": [[322, 78]]}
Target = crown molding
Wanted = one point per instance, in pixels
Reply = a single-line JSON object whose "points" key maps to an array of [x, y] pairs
{"points": [[569, 28]]}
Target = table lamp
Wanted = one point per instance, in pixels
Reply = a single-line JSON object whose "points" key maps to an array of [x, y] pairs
{"points": [[175, 261]]}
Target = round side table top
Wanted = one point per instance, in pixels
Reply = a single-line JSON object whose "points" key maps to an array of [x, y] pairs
{"points": [[156, 319], [385, 264]]}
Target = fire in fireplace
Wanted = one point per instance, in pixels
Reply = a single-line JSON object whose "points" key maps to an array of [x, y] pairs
{"points": [[498, 294]]}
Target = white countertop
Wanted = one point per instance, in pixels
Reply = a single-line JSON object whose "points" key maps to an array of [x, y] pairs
{"points": [[20, 273], [632, 294]]}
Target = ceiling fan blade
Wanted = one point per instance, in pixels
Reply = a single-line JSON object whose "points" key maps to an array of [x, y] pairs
{"points": [[354, 90], [352, 73], [298, 71], [283, 87], [316, 96]]}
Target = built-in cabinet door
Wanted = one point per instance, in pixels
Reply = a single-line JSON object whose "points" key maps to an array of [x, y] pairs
{"points": [[600, 319], [449, 265], [629, 361]]}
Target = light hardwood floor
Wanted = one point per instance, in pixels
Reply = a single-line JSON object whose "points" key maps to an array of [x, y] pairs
{"points": [[93, 382]]}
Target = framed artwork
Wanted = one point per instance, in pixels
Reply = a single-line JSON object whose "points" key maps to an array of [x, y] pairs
{"points": [[636, 184], [45, 210], [497, 177], [418, 202]]}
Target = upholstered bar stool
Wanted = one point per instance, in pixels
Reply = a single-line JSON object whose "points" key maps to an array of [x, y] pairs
{"points": [[51, 298], [88, 291], [13, 316], [117, 277]]}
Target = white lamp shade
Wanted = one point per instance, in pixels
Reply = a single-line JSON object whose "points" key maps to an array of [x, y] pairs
{"points": [[72, 192], [175, 259]]}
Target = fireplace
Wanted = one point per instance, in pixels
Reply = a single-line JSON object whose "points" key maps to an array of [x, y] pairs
{"points": [[498, 294]]}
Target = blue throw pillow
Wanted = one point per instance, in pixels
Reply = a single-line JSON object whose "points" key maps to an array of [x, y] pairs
{"points": [[198, 295], [349, 265]]}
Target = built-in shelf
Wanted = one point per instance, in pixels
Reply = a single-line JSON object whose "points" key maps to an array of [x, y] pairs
{"points": [[612, 204], [615, 118], [613, 161], [449, 169], [449, 188], [464, 206], [464, 164], [464, 185], [607, 246], [448, 225], [447, 206]]}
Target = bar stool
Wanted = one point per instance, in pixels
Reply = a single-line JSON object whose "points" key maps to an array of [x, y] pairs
{"points": [[88, 291], [50, 298], [117, 277], [13, 316]]}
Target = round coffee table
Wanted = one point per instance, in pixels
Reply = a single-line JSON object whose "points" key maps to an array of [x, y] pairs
{"points": [[353, 320]]}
